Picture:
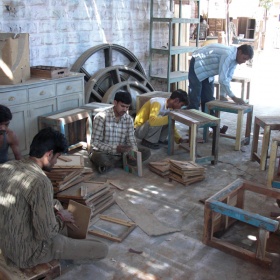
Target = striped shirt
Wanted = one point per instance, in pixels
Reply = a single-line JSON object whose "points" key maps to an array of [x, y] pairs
{"points": [[27, 219], [216, 59], [108, 132]]}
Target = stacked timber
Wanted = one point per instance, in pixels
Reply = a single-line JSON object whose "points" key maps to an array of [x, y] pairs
{"points": [[68, 171], [160, 167], [186, 172], [97, 195]]}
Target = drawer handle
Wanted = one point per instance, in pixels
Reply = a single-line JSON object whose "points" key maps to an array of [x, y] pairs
{"points": [[12, 98], [42, 92], [68, 88]]}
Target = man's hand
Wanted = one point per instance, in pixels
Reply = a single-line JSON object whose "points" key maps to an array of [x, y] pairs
{"points": [[65, 216], [123, 149], [238, 101]]}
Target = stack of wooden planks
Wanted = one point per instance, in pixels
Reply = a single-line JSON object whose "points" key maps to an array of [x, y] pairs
{"points": [[97, 195], [160, 167], [186, 172], [68, 171]]}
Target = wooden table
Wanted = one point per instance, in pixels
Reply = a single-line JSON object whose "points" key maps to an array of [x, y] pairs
{"points": [[224, 106], [195, 119]]}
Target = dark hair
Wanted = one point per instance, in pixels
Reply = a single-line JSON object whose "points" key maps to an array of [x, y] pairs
{"points": [[181, 95], [46, 140], [230, 18], [5, 114], [123, 96], [247, 50]]}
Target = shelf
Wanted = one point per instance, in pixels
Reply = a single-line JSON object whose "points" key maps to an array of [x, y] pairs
{"points": [[175, 20], [174, 50], [176, 76], [175, 32]]}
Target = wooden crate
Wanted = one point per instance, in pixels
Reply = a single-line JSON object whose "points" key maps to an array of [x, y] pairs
{"points": [[51, 72]]}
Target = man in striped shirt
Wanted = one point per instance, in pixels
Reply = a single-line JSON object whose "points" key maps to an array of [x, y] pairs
{"points": [[113, 134], [30, 227], [212, 60]]}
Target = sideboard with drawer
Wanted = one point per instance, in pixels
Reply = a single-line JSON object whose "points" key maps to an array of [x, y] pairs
{"points": [[37, 97]]}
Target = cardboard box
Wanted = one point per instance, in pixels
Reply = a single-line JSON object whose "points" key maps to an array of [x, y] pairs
{"points": [[14, 58]]}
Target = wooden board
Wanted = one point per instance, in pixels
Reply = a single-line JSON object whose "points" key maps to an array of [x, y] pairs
{"points": [[51, 72], [81, 215], [77, 161], [133, 169]]}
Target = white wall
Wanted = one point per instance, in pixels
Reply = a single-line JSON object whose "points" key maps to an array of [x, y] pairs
{"points": [[61, 30]]}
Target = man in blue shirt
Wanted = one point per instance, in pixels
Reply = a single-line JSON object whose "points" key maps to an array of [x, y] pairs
{"points": [[211, 60]]}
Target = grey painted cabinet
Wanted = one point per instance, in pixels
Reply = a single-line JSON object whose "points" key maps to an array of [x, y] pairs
{"points": [[38, 97]]}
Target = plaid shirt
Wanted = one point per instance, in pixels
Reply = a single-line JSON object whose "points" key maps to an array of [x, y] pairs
{"points": [[108, 133]]}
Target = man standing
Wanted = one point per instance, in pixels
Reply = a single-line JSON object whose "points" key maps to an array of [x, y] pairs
{"points": [[211, 60], [8, 138], [29, 227], [113, 134], [151, 122]]}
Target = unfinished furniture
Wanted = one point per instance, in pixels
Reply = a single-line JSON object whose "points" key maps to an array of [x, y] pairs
{"points": [[75, 124], [221, 106], [194, 119], [141, 99], [37, 97], [268, 123], [225, 208], [245, 85], [273, 167]]}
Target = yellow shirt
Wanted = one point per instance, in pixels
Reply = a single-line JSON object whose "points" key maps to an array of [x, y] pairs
{"points": [[155, 112]]}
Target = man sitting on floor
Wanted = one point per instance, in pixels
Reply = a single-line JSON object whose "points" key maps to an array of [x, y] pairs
{"points": [[113, 135], [29, 227], [8, 138], [151, 122]]}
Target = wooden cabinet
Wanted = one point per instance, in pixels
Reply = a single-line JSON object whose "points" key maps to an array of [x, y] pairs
{"points": [[246, 26], [38, 97], [216, 25]]}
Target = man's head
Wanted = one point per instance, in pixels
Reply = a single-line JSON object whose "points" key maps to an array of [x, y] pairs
{"points": [[244, 53], [230, 19], [5, 118], [122, 102], [47, 145], [177, 99]]}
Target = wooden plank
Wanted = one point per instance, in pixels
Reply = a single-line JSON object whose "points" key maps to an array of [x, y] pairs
{"points": [[76, 161], [244, 216], [81, 215], [137, 170], [261, 244]]}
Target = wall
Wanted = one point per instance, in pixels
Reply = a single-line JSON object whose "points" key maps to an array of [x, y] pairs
{"points": [[61, 30]]}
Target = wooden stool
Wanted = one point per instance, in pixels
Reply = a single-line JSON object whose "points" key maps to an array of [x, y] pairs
{"points": [[245, 83], [272, 164], [268, 123], [62, 119], [230, 107], [194, 119], [49, 270], [224, 208], [141, 99]]}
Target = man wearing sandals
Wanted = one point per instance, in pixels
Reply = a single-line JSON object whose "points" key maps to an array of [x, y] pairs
{"points": [[151, 122]]}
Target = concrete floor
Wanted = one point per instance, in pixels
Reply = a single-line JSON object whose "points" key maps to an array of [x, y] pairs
{"points": [[182, 255]]}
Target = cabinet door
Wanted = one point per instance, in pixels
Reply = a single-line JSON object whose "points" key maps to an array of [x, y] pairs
{"points": [[70, 101], [19, 124], [37, 109]]}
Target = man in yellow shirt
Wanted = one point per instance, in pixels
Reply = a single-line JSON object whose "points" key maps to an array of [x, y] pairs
{"points": [[151, 122]]}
